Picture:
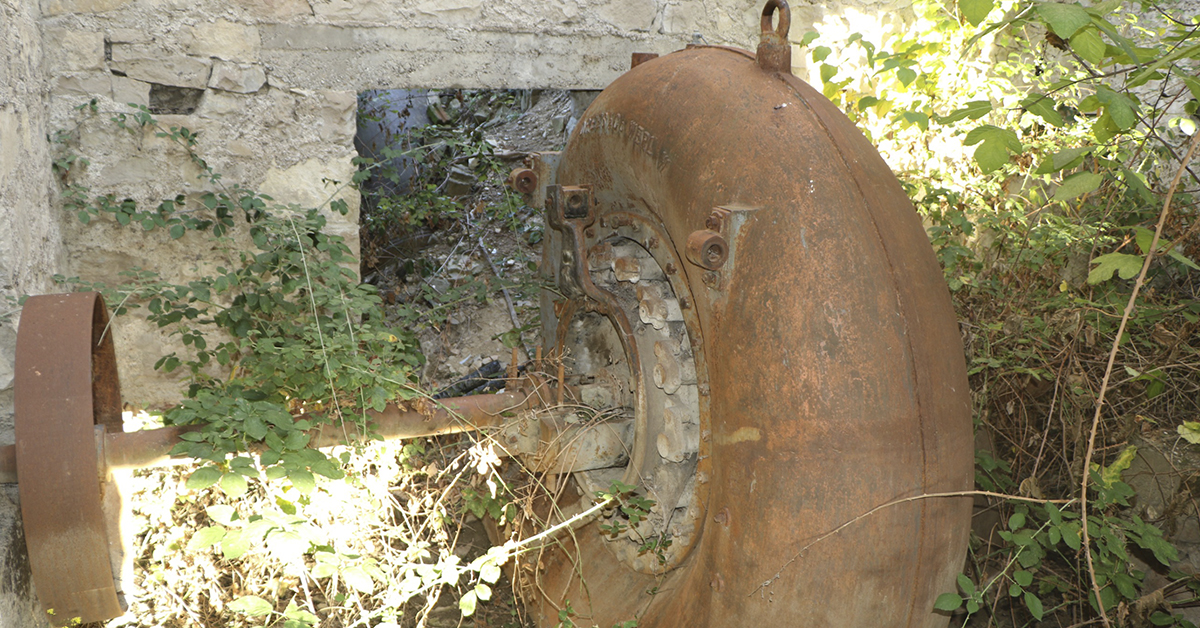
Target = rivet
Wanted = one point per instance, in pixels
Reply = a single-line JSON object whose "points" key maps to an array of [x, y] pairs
{"points": [[718, 583], [722, 517]]}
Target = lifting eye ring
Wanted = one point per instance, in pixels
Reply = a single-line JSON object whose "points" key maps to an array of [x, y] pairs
{"points": [[785, 18]]}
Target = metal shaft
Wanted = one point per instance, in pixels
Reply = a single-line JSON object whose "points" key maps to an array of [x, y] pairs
{"points": [[150, 448]]}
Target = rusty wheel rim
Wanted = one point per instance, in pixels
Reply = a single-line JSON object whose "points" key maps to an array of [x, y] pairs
{"points": [[66, 389]]}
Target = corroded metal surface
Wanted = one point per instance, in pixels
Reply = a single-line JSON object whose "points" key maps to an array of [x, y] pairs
{"points": [[835, 376], [66, 385]]}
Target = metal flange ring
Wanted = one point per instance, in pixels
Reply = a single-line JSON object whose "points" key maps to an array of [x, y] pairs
{"points": [[66, 386]]}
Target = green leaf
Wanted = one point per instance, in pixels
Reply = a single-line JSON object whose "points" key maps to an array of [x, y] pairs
{"points": [[1017, 521], [995, 145], [302, 480], [973, 110], [1043, 107], [916, 118], [1145, 75], [827, 72], [234, 484], [466, 604], [251, 605], [203, 477], [295, 440], [327, 469], [255, 427], [1064, 19], [1034, 605], [1193, 85], [975, 11], [965, 584], [906, 76], [1077, 185], [948, 602], [490, 571], [206, 537], [176, 231], [1066, 158], [1145, 236], [1089, 45], [1070, 535], [1104, 129], [1023, 578], [221, 513], [1190, 431], [820, 53], [483, 592], [234, 545], [359, 580], [1125, 265], [1118, 106]]}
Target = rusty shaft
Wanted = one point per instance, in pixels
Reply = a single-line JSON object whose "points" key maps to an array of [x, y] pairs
{"points": [[150, 448]]}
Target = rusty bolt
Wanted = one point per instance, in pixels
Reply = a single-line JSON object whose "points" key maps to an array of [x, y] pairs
{"points": [[718, 583], [590, 232], [716, 220], [684, 303], [523, 180], [722, 517], [651, 242], [707, 249], [670, 269]]}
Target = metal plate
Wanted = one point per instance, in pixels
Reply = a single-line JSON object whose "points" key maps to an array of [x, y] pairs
{"points": [[66, 384]]}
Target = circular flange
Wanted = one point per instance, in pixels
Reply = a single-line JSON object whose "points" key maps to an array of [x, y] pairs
{"points": [[66, 389]]}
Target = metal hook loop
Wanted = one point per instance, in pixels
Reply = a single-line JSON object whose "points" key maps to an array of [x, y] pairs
{"points": [[785, 17]]}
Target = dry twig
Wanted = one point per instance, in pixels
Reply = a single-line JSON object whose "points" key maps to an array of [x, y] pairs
{"points": [[1112, 357]]}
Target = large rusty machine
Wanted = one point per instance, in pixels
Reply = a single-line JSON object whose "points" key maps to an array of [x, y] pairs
{"points": [[740, 277]]}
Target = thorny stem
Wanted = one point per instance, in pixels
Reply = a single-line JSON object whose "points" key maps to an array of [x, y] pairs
{"points": [[904, 500], [1112, 357]]}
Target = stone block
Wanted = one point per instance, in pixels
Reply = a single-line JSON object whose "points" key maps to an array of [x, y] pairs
{"points": [[216, 104], [355, 10], [452, 10], [74, 50], [278, 9], [129, 36], [315, 37], [629, 15], [241, 78], [337, 118], [126, 91], [58, 7], [85, 84], [310, 184], [158, 66], [223, 39], [683, 18]]}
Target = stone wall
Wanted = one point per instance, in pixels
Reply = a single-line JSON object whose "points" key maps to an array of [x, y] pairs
{"points": [[271, 87], [30, 252]]}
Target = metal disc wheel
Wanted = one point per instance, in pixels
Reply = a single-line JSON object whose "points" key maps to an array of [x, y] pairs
{"points": [[744, 291]]}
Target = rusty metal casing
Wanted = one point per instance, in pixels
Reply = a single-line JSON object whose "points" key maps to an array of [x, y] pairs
{"points": [[837, 381]]}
